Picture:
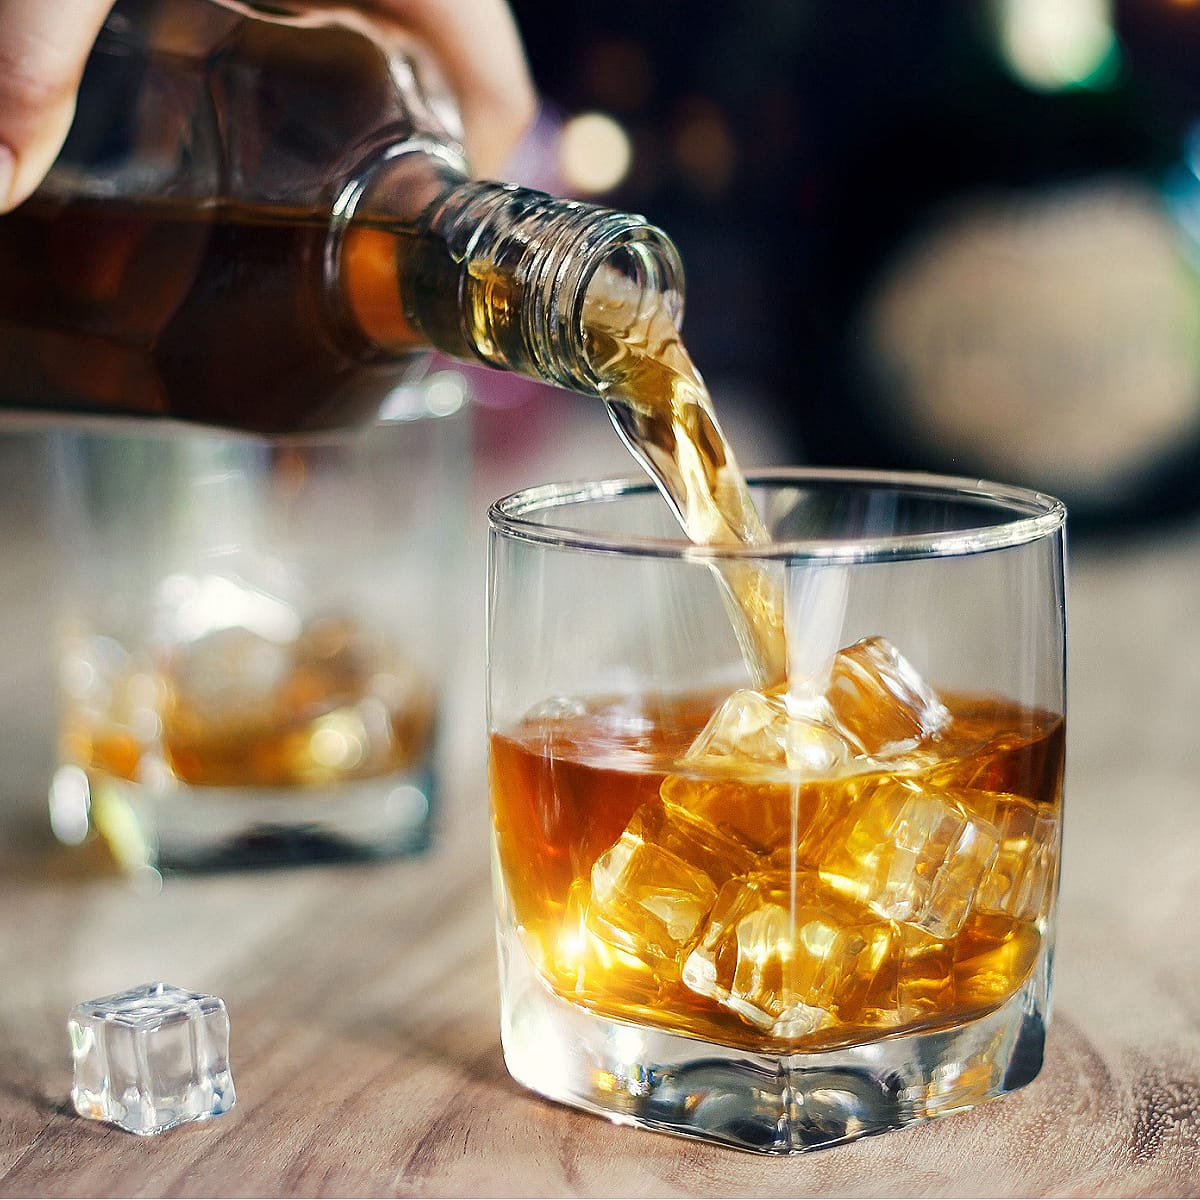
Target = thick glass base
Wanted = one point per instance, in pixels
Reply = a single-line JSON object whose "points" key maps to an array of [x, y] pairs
{"points": [[210, 828], [771, 1103]]}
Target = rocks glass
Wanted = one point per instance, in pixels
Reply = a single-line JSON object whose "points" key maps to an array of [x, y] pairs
{"points": [[777, 917], [253, 635]]}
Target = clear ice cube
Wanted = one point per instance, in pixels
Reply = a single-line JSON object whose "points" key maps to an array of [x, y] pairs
{"points": [[880, 702], [1020, 882], [652, 889], [770, 729], [910, 854], [151, 1058], [875, 708], [787, 955]]}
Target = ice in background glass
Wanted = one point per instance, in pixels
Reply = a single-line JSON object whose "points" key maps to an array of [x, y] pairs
{"points": [[253, 636], [778, 915]]}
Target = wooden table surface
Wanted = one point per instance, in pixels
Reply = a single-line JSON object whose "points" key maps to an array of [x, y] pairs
{"points": [[363, 1000]]}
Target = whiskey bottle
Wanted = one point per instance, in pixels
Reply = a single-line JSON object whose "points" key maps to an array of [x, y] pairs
{"points": [[262, 212]]}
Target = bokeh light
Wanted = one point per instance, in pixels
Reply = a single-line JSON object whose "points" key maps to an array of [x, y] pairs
{"points": [[1050, 45], [703, 146], [617, 75], [594, 153]]}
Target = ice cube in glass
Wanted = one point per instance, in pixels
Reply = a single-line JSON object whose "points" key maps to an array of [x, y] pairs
{"points": [[787, 955], [1021, 881], [771, 729], [654, 886], [911, 853], [879, 700]]}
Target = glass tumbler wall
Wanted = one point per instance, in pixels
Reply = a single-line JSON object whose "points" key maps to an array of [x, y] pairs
{"points": [[252, 645], [790, 917]]}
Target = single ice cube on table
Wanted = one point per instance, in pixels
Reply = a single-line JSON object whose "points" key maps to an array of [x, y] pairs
{"points": [[151, 1058]]}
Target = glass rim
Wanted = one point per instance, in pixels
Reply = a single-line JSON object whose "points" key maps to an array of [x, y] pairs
{"points": [[1031, 516]]}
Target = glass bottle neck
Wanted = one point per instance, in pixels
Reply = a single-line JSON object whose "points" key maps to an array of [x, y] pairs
{"points": [[495, 272]]}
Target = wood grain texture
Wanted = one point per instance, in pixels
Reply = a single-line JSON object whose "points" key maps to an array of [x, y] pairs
{"points": [[363, 1000]]}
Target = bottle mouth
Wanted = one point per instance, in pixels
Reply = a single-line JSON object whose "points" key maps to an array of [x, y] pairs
{"points": [[597, 252], [506, 277]]}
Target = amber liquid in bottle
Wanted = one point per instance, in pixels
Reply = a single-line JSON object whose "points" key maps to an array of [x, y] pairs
{"points": [[212, 315]]}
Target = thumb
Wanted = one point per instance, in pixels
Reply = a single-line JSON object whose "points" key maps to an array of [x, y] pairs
{"points": [[43, 48]]}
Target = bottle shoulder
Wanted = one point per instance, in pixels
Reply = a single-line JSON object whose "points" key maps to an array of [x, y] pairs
{"points": [[193, 99]]}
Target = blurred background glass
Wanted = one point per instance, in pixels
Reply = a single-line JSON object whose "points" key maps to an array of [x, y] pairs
{"points": [[254, 636], [933, 235]]}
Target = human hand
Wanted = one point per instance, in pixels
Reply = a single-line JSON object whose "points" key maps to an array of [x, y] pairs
{"points": [[479, 49], [44, 46]]}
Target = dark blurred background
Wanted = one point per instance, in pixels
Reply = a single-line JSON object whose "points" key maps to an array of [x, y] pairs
{"points": [[946, 234]]}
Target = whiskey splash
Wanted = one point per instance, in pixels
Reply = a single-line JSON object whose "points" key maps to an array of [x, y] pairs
{"points": [[662, 410]]}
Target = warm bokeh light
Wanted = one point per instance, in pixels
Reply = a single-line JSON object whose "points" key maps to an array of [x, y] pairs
{"points": [[1055, 44], [594, 153], [703, 145], [617, 75]]}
